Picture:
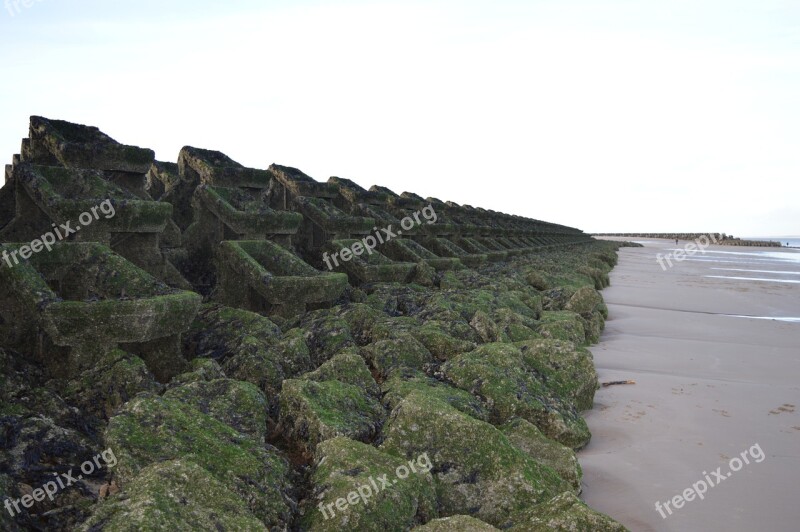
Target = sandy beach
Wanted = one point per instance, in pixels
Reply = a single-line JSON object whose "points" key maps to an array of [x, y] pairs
{"points": [[709, 386]]}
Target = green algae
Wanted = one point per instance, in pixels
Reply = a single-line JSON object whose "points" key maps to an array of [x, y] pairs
{"points": [[312, 412]]}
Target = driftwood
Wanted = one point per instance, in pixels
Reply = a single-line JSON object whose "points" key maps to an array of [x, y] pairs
{"points": [[614, 383]]}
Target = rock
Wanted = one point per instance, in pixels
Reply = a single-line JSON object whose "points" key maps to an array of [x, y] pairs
{"points": [[33, 450], [593, 325], [598, 277], [201, 370], [326, 335], [113, 381], [584, 301], [424, 274], [344, 466], [562, 325], [361, 319], [394, 328], [441, 344], [312, 412], [537, 280], [556, 298], [149, 430], [565, 513], [529, 439], [249, 347], [237, 404], [479, 472], [403, 352], [449, 281], [404, 381], [174, 495], [456, 523], [487, 329], [347, 367], [515, 327], [565, 369], [499, 374]]}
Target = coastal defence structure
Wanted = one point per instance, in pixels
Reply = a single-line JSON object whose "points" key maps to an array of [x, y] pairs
{"points": [[720, 239], [248, 238], [253, 347]]}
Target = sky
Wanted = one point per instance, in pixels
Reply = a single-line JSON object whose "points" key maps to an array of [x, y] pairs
{"points": [[609, 116]]}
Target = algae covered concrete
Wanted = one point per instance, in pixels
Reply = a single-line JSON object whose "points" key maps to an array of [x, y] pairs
{"points": [[243, 386]]}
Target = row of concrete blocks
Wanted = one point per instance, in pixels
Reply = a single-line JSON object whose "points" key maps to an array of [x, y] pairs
{"points": [[249, 238]]}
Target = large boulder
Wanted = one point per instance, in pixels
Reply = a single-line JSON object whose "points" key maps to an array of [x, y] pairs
{"points": [[326, 334], [479, 471], [566, 370], [312, 412], [499, 374], [440, 342], [456, 523], [404, 381], [565, 513], [347, 367], [358, 487], [238, 404], [528, 438], [113, 381], [403, 352], [249, 347], [562, 325], [174, 495], [148, 430], [586, 300]]}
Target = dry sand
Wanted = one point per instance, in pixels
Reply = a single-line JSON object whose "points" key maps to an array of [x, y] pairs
{"points": [[708, 387]]}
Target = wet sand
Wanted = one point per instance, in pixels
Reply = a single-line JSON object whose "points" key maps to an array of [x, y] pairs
{"points": [[708, 387]]}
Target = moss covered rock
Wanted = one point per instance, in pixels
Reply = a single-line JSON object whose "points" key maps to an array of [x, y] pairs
{"points": [[403, 352], [515, 327], [537, 280], [585, 301], [238, 404], [361, 319], [499, 374], [249, 347], [562, 325], [200, 369], [593, 324], [174, 495], [565, 513], [557, 298], [440, 343], [477, 469], [326, 334], [404, 381], [113, 381], [153, 429], [348, 367], [312, 412], [219, 332], [456, 523], [565, 369], [7, 522], [529, 439], [487, 329], [345, 467]]}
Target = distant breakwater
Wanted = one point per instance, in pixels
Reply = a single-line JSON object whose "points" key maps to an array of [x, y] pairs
{"points": [[720, 239]]}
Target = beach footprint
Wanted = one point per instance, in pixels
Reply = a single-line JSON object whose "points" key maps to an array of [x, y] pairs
{"points": [[785, 407]]}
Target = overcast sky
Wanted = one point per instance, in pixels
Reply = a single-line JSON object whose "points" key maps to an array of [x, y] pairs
{"points": [[628, 115]]}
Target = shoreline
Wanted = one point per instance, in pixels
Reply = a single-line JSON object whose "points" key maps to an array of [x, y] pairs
{"points": [[709, 385]]}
